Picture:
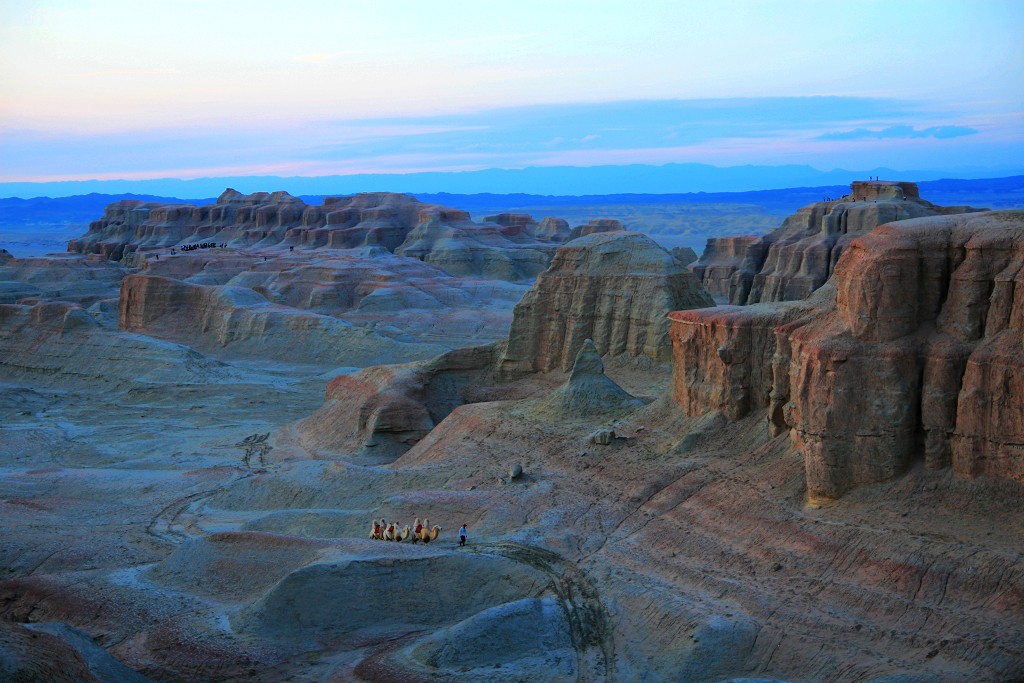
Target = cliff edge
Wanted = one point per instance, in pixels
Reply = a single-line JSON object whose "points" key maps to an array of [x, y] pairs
{"points": [[915, 353]]}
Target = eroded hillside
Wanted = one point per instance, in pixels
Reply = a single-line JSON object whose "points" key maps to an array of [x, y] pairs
{"points": [[193, 448]]}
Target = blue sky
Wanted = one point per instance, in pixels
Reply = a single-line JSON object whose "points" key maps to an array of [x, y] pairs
{"points": [[128, 89]]}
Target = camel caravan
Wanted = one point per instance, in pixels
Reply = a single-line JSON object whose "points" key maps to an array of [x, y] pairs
{"points": [[420, 531]]}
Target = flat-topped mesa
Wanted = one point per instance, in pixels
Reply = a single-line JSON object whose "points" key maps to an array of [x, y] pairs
{"points": [[869, 190], [914, 352], [595, 226], [614, 288], [522, 224], [797, 258], [515, 223], [397, 222]]}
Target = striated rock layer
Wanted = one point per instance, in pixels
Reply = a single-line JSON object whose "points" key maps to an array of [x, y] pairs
{"points": [[915, 353], [445, 237], [614, 288], [242, 322], [801, 255]]}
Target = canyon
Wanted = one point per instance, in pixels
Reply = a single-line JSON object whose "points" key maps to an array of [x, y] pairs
{"points": [[822, 478]]}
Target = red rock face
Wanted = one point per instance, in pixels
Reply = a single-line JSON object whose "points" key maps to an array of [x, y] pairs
{"points": [[917, 354], [723, 357], [794, 260]]}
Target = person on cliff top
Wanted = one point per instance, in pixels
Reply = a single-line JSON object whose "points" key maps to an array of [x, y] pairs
{"points": [[462, 535]]}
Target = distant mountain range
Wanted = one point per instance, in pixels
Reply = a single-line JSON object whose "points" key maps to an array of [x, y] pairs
{"points": [[555, 180]]}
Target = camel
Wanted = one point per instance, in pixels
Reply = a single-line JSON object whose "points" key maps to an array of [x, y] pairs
{"points": [[404, 535], [425, 535], [377, 530], [392, 532]]}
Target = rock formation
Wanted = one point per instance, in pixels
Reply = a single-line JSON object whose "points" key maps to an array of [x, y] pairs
{"points": [[721, 258], [382, 411], [595, 226], [684, 255], [915, 353], [170, 516], [800, 256], [242, 322], [459, 246], [614, 288], [553, 230], [589, 393], [83, 281], [396, 222]]}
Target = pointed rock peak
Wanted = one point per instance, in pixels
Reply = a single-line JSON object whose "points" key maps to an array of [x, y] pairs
{"points": [[588, 361], [589, 393], [230, 195]]}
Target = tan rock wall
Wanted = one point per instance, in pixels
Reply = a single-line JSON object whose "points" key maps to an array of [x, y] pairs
{"points": [[614, 288], [796, 259], [240, 321], [918, 353]]}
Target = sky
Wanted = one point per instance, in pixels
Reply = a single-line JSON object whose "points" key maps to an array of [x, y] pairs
{"points": [[139, 89]]}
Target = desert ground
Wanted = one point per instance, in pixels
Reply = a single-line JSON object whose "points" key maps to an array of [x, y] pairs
{"points": [[818, 482]]}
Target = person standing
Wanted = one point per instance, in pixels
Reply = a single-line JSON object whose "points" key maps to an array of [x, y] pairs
{"points": [[462, 535]]}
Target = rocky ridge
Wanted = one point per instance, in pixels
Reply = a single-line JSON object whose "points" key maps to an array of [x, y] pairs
{"points": [[800, 256], [514, 248], [612, 287], [914, 351]]}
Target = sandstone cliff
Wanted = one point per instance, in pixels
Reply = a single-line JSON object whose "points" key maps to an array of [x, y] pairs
{"points": [[800, 256], [614, 288], [461, 247], [242, 322], [83, 281], [915, 353], [378, 413], [514, 249], [595, 226], [721, 258]]}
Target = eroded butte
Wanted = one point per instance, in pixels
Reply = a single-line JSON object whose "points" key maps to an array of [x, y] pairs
{"points": [[827, 484]]}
